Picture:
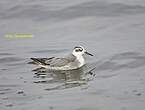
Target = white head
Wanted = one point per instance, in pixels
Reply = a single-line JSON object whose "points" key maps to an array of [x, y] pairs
{"points": [[79, 51]]}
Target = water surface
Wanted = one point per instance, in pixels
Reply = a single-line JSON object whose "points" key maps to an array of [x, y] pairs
{"points": [[113, 31]]}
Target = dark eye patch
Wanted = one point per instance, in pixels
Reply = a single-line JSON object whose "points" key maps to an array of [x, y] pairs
{"points": [[79, 50]]}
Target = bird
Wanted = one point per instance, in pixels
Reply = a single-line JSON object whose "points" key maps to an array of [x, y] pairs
{"points": [[72, 61]]}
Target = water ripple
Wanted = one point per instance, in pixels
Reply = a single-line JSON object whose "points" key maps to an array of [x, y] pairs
{"points": [[10, 59], [1, 54], [63, 79]]}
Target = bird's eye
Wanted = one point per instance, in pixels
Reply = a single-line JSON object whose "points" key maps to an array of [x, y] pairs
{"points": [[81, 49]]}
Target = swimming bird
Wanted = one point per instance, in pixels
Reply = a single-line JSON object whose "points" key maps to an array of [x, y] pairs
{"points": [[73, 61]]}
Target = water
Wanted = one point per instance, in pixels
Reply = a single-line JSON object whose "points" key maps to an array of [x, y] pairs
{"points": [[113, 31]]}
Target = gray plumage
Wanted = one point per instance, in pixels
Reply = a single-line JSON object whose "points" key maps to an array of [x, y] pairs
{"points": [[54, 62]]}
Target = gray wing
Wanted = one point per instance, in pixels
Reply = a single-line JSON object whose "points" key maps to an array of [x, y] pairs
{"points": [[58, 62], [54, 61]]}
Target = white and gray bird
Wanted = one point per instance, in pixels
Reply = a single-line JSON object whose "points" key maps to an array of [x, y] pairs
{"points": [[73, 61]]}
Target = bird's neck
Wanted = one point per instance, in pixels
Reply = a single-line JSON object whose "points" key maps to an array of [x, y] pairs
{"points": [[81, 60]]}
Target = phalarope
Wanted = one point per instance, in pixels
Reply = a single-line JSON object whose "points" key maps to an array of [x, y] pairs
{"points": [[73, 61]]}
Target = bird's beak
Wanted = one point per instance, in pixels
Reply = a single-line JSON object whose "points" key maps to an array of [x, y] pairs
{"points": [[88, 53]]}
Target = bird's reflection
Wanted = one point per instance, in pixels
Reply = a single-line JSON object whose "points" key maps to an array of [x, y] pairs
{"points": [[57, 80]]}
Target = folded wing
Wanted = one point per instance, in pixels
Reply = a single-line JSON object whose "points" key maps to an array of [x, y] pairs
{"points": [[53, 62]]}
